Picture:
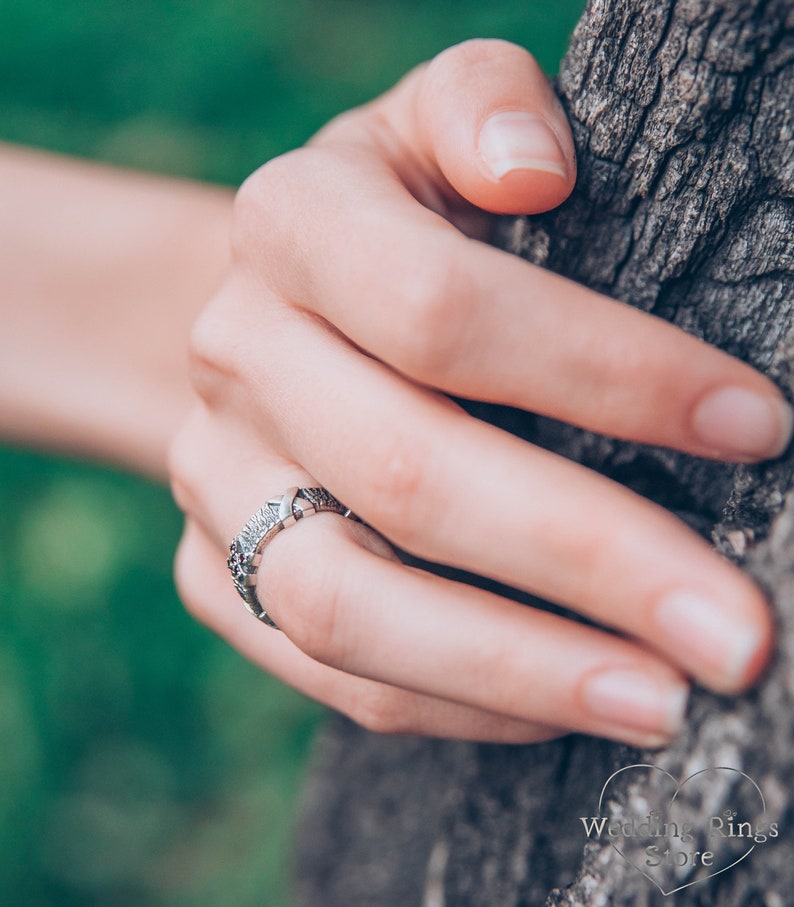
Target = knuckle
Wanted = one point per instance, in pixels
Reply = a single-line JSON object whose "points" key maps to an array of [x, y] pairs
{"points": [[434, 309], [189, 584], [400, 488], [250, 209], [211, 353], [182, 468], [429, 293], [190, 464], [383, 710], [264, 199], [609, 386], [313, 603]]}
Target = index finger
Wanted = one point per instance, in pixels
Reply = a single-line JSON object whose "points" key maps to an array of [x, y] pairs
{"points": [[473, 321]]}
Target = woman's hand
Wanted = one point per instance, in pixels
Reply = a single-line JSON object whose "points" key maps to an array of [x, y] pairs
{"points": [[359, 297]]}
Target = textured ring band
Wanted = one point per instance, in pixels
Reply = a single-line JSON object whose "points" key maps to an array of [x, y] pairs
{"points": [[245, 552]]}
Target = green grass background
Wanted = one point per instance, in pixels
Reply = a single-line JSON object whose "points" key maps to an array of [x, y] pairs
{"points": [[141, 761]]}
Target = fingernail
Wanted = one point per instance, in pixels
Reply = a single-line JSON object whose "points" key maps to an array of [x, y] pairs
{"points": [[739, 421], [520, 141], [628, 698], [704, 633]]}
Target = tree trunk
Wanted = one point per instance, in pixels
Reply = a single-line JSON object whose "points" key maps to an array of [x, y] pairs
{"points": [[684, 207]]}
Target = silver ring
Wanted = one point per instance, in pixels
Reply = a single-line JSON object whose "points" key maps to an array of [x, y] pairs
{"points": [[245, 552]]}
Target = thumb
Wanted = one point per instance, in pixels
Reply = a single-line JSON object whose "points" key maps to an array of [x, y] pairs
{"points": [[486, 115]]}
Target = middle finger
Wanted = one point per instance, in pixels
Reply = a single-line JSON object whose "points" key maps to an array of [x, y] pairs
{"points": [[458, 491]]}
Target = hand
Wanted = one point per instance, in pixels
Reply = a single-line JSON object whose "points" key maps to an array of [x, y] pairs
{"points": [[359, 298]]}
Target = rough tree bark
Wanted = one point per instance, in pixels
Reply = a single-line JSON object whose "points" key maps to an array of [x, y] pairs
{"points": [[682, 114]]}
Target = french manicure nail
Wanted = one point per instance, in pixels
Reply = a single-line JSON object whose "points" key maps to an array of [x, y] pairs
{"points": [[515, 140], [740, 421], [629, 698], [703, 632]]}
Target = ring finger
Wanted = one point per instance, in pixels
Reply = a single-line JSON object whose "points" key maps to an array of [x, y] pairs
{"points": [[482, 666], [205, 587]]}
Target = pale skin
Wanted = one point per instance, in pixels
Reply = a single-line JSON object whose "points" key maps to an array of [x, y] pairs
{"points": [[103, 272], [358, 295]]}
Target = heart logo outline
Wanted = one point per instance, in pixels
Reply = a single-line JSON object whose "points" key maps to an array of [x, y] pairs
{"points": [[679, 785]]}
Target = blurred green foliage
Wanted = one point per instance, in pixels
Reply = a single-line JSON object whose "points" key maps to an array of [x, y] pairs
{"points": [[211, 88], [141, 761]]}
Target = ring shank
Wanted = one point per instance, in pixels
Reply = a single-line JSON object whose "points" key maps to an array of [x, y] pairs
{"points": [[245, 551]]}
